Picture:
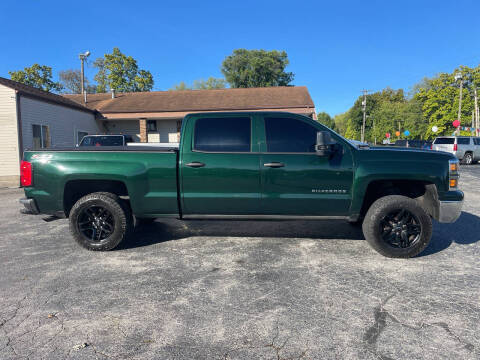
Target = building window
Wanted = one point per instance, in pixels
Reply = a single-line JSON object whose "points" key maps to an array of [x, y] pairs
{"points": [[80, 135], [41, 136], [151, 125]]}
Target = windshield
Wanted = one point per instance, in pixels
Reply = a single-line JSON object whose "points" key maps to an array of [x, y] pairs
{"points": [[102, 141]]}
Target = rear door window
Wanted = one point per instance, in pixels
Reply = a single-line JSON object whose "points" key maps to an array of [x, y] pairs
{"points": [[230, 134], [442, 141], [463, 141]]}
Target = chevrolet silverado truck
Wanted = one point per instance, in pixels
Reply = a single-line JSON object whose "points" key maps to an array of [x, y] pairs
{"points": [[255, 165]]}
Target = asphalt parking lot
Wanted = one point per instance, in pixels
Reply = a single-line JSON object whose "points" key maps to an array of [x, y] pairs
{"points": [[238, 290]]}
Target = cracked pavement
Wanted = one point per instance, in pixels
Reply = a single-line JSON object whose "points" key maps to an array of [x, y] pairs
{"points": [[238, 290]]}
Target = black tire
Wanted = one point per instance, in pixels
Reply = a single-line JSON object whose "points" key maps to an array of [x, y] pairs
{"points": [[397, 227], [468, 158], [100, 221]]}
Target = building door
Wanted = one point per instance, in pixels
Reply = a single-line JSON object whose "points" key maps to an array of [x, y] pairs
{"points": [[220, 167], [297, 181]]}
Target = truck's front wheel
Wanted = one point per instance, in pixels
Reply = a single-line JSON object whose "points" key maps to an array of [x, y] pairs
{"points": [[99, 221], [397, 226]]}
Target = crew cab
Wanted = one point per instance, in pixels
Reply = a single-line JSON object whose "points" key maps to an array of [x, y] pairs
{"points": [[254, 165]]}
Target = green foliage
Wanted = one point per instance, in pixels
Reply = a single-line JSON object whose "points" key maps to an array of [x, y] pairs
{"points": [[340, 121], [326, 120], [120, 72], [439, 97], [387, 111], [101, 76], [39, 76], [209, 84], [182, 85], [256, 68]]}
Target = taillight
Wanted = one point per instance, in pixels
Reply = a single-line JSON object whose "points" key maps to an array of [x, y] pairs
{"points": [[431, 147], [455, 147], [25, 173]]}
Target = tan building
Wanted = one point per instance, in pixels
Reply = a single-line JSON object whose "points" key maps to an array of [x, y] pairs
{"points": [[34, 119], [156, 116]]}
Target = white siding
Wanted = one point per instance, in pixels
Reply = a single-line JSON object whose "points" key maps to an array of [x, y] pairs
{"points": [[127, 127], [9, 153], [64, 122]]}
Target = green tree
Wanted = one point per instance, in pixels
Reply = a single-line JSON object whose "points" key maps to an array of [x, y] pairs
{"points": [[39, 76], [120, 72], [209, 84], [71, 81], [256, 68], [340, 121], [326, 120], [101, 75], [439, 97], [182, 85]]}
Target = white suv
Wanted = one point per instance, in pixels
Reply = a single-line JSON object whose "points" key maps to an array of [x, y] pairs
{"points": [[465, 148]]}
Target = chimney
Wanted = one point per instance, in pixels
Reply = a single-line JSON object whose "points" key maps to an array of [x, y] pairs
{"points": [[85, 96], [113, 93]]}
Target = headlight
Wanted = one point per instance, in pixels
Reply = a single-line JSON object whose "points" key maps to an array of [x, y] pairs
{"points": [[453, 174]]}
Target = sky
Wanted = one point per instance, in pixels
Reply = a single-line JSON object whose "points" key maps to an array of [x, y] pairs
{"points": [[336, 48]]}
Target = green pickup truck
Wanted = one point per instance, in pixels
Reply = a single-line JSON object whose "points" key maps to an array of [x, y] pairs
{"points": [[255, 165]]}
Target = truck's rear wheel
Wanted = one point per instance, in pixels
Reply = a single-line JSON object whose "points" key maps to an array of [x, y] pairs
{"points": [[397, 226], [99, 221]]}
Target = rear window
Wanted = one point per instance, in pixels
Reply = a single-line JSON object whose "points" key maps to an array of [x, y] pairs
{"points": [[463, 141], [231, 134], [441, 141], [102, 141]]}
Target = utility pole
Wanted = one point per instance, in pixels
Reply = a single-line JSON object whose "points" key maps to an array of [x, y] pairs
{"points": [[459, 76], [475, 122], [83, 57], [364, 108]]}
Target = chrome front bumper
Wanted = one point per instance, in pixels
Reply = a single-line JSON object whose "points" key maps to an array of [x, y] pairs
{"points": [[449, 211]]}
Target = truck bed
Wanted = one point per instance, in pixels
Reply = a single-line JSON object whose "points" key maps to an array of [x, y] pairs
{"points": [[147, 175]]}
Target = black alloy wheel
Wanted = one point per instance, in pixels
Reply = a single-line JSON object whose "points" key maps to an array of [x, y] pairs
{"points": [[400, 229], [96, 223]]}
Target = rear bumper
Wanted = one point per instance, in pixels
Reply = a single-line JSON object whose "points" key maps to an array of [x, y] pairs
{"points": [[30, 206], [449, 211]]}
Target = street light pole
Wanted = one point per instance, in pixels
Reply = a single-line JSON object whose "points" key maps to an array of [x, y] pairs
{"points": [[83, 57]]}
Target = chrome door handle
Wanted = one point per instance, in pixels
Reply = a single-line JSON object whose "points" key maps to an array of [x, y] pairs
{"points": [[195, 164], [274, 164]]}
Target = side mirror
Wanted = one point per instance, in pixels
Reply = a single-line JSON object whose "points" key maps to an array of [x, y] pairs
{"points": [[325, 144]]}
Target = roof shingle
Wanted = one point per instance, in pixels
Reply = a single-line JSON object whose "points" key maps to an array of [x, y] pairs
{"points": [[199, 100], [48, 96]]}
